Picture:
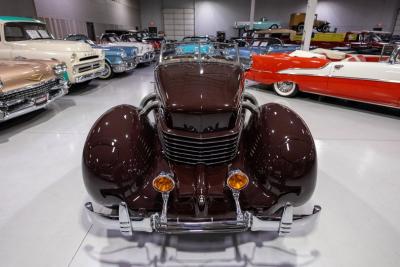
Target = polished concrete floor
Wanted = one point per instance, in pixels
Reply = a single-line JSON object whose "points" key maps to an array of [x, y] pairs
{"points": [[42, 221]]}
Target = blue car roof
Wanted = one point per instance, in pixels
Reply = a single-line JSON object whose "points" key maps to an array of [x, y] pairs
{"points": [[22, 19]]}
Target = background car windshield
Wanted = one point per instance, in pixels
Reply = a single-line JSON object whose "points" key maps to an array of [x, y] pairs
{"points": [[195, 39], [113, 39], [21, 31], [81, 38], [199, 51]]}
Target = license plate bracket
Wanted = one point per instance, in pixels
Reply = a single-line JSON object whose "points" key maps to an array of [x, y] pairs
{"points": [[41, 99]]}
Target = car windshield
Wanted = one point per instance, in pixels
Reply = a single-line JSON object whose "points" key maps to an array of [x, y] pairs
{"points": [[385, 37], [199, 51], [129, 38], [195, 39], [112, 38], [81, 38], [22, 31], [390, 52], [266, 42]]}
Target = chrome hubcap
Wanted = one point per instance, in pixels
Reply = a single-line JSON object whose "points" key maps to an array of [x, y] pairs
{"points": [[285, 87], [106, 71]]}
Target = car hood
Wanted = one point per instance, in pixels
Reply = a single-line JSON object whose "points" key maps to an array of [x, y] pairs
{"points": [[53, 46], [198, 88], [16, 74]]}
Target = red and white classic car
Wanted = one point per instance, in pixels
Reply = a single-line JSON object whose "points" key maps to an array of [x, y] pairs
{"points": [[373, 80]]}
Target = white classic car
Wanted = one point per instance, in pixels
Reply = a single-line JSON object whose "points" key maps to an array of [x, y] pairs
{"points": [[29, 38], [363, 78], [145, 51]]}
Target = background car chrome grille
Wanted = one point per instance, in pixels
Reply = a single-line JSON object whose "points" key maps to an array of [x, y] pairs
{"points": [[29, 93], [200, 151]]}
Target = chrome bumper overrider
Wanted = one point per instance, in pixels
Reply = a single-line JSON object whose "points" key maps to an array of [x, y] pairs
{"points": [[30, 105], [128, 223]]}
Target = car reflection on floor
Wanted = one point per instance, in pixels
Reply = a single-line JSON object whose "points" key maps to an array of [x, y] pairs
{"points": [[245, 249]]}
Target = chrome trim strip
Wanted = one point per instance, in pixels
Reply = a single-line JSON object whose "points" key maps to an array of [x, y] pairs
{"points": [[353, 99], [283, 225], [333, 76]]}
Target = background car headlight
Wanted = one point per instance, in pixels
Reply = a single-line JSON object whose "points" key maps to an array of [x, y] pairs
{"points": [[163, 183], [237, 180], [1, 85]]}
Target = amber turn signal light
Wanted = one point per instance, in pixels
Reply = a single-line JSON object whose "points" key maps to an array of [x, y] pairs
{"points": [[237, 180], [163, 183]]}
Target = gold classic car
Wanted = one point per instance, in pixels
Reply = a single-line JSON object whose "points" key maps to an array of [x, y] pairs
{"points": [[29, 38], [28, 85]]}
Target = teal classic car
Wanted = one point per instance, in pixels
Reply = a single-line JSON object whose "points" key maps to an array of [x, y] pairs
{"points": [[198, 50], [118, 59], [194, 44], [262, 24]]}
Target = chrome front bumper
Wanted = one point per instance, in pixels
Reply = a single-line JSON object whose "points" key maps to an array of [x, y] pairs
{"points": [[87, 77], [128, 223], [147, 57], [31, 105], [126, 65]]}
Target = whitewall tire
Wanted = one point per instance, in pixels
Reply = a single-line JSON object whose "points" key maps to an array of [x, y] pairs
{"points": [[285, 88], [108, 72]]}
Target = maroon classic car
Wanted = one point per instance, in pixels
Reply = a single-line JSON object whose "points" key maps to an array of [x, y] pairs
{"points": [[202, 165]]}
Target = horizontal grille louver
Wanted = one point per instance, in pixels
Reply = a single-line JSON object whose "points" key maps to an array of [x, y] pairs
{"points": [[89, 67], [200, 151], [88, 58], [29, 93]]}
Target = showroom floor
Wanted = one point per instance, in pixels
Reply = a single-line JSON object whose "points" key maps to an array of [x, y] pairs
{"points": [[42, 221]]}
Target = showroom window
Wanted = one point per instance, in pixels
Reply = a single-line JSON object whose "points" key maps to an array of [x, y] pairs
{"points": [[178, 23]]}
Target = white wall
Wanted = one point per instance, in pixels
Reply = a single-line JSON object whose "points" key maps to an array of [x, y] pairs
{"points": [[151, 11], [70, 16], [342, 14], [214, 15]]}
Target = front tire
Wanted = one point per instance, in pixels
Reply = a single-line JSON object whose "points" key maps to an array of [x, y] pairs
{"points": [[325, 28], [108, 72], [285, 89]]}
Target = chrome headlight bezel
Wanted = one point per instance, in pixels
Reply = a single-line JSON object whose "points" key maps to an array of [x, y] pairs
{"points": [[74, 56], [59, 69]]}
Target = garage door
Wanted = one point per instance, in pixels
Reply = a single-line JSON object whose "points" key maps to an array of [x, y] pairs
{"points": [[178, 23], [397, 24]]}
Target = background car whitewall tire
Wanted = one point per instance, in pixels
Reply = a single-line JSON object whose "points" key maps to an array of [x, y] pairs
{"points": [[286, 88], [108, 72]]}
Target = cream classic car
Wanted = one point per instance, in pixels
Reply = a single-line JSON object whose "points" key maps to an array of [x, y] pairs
{"points": [[29, 38], [28, 85]]}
